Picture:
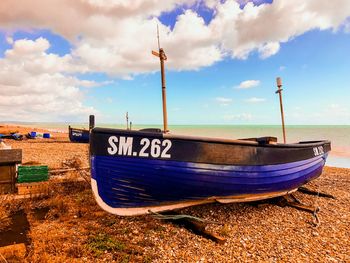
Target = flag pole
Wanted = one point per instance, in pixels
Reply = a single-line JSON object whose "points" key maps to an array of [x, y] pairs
{"points": [[279, 91]]}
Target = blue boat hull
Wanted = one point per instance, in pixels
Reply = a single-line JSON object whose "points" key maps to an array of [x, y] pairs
{"points": [[131, 185], [78, 135]]}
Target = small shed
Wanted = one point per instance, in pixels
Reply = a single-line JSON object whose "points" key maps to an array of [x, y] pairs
{"points": [[9, 158]]}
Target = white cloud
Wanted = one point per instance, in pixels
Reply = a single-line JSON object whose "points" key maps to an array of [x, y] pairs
{"points": [[347, 25], [116, 37], [239, 117], [255, 27], [9, 40], [83, 18], [247, 84], [333, 113], [336, 109], [37, 86], [109, 100], [281, 68], [91, 83], [255, 100], [223, 101], [269, 49], [244, 2], [211, 3], [191, 44]]}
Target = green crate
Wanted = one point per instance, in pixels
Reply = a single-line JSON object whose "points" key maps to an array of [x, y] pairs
{"points": [[28, 174]]}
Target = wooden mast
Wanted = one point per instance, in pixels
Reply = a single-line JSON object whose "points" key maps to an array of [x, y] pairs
{"points": [[127, 120], [162, 58], [279, 91]]}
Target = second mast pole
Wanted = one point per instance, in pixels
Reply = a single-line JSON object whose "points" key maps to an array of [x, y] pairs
{"points": [[279, 91], [163, 57]]}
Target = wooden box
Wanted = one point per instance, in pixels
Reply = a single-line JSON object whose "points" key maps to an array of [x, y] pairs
{"points": [[7, 179], [9, 158], [40, 188]]}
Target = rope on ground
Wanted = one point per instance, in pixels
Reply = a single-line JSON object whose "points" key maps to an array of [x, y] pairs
{"points": [[86, 177], [179, 217], [3, 258], [80, 171], [68, 170], [316, 220]]}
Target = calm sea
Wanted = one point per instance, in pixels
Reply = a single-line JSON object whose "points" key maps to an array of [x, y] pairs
{"points": [[338, 135]]}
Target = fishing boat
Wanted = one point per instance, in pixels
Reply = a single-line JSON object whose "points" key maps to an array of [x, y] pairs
{"points": [[151, 170], [78, 135], [134, 172]]}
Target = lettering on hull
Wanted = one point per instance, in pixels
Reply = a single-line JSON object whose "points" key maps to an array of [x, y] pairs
{"points": [[154, 148]]}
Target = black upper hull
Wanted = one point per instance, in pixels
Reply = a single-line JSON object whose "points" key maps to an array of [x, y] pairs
{"points": [[213, 150]]}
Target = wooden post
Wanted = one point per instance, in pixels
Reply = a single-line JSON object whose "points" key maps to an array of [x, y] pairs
{"points": [[127, 120], [279, 91], [91, 122], [162, 58], [91, 126]]}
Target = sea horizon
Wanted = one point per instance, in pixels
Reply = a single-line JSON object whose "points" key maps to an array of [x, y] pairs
{"points": [[337, 134]]}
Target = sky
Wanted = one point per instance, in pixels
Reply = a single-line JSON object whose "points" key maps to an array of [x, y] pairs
{"points": [[62, 60]]}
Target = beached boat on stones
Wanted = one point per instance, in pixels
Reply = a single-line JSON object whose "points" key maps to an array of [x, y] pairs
{"points": [[134, 172], [138, 172], [78, 135]]}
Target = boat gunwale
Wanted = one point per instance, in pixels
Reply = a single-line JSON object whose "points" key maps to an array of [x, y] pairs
{"points": [[301, 144], [78, 129]]}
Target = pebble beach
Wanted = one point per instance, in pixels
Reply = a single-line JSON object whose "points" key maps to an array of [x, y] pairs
{"points": [[75, 229]]}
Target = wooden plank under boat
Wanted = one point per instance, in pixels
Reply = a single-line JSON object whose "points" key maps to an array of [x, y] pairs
{"points": [[134, 172]]}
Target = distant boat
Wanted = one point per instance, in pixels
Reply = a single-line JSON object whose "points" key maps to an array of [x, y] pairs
{"points": [[13, 135], [137, 171], [78, 135]]}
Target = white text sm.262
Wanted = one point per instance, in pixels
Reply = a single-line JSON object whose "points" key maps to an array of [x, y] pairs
{"points": [[155, 148]]}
